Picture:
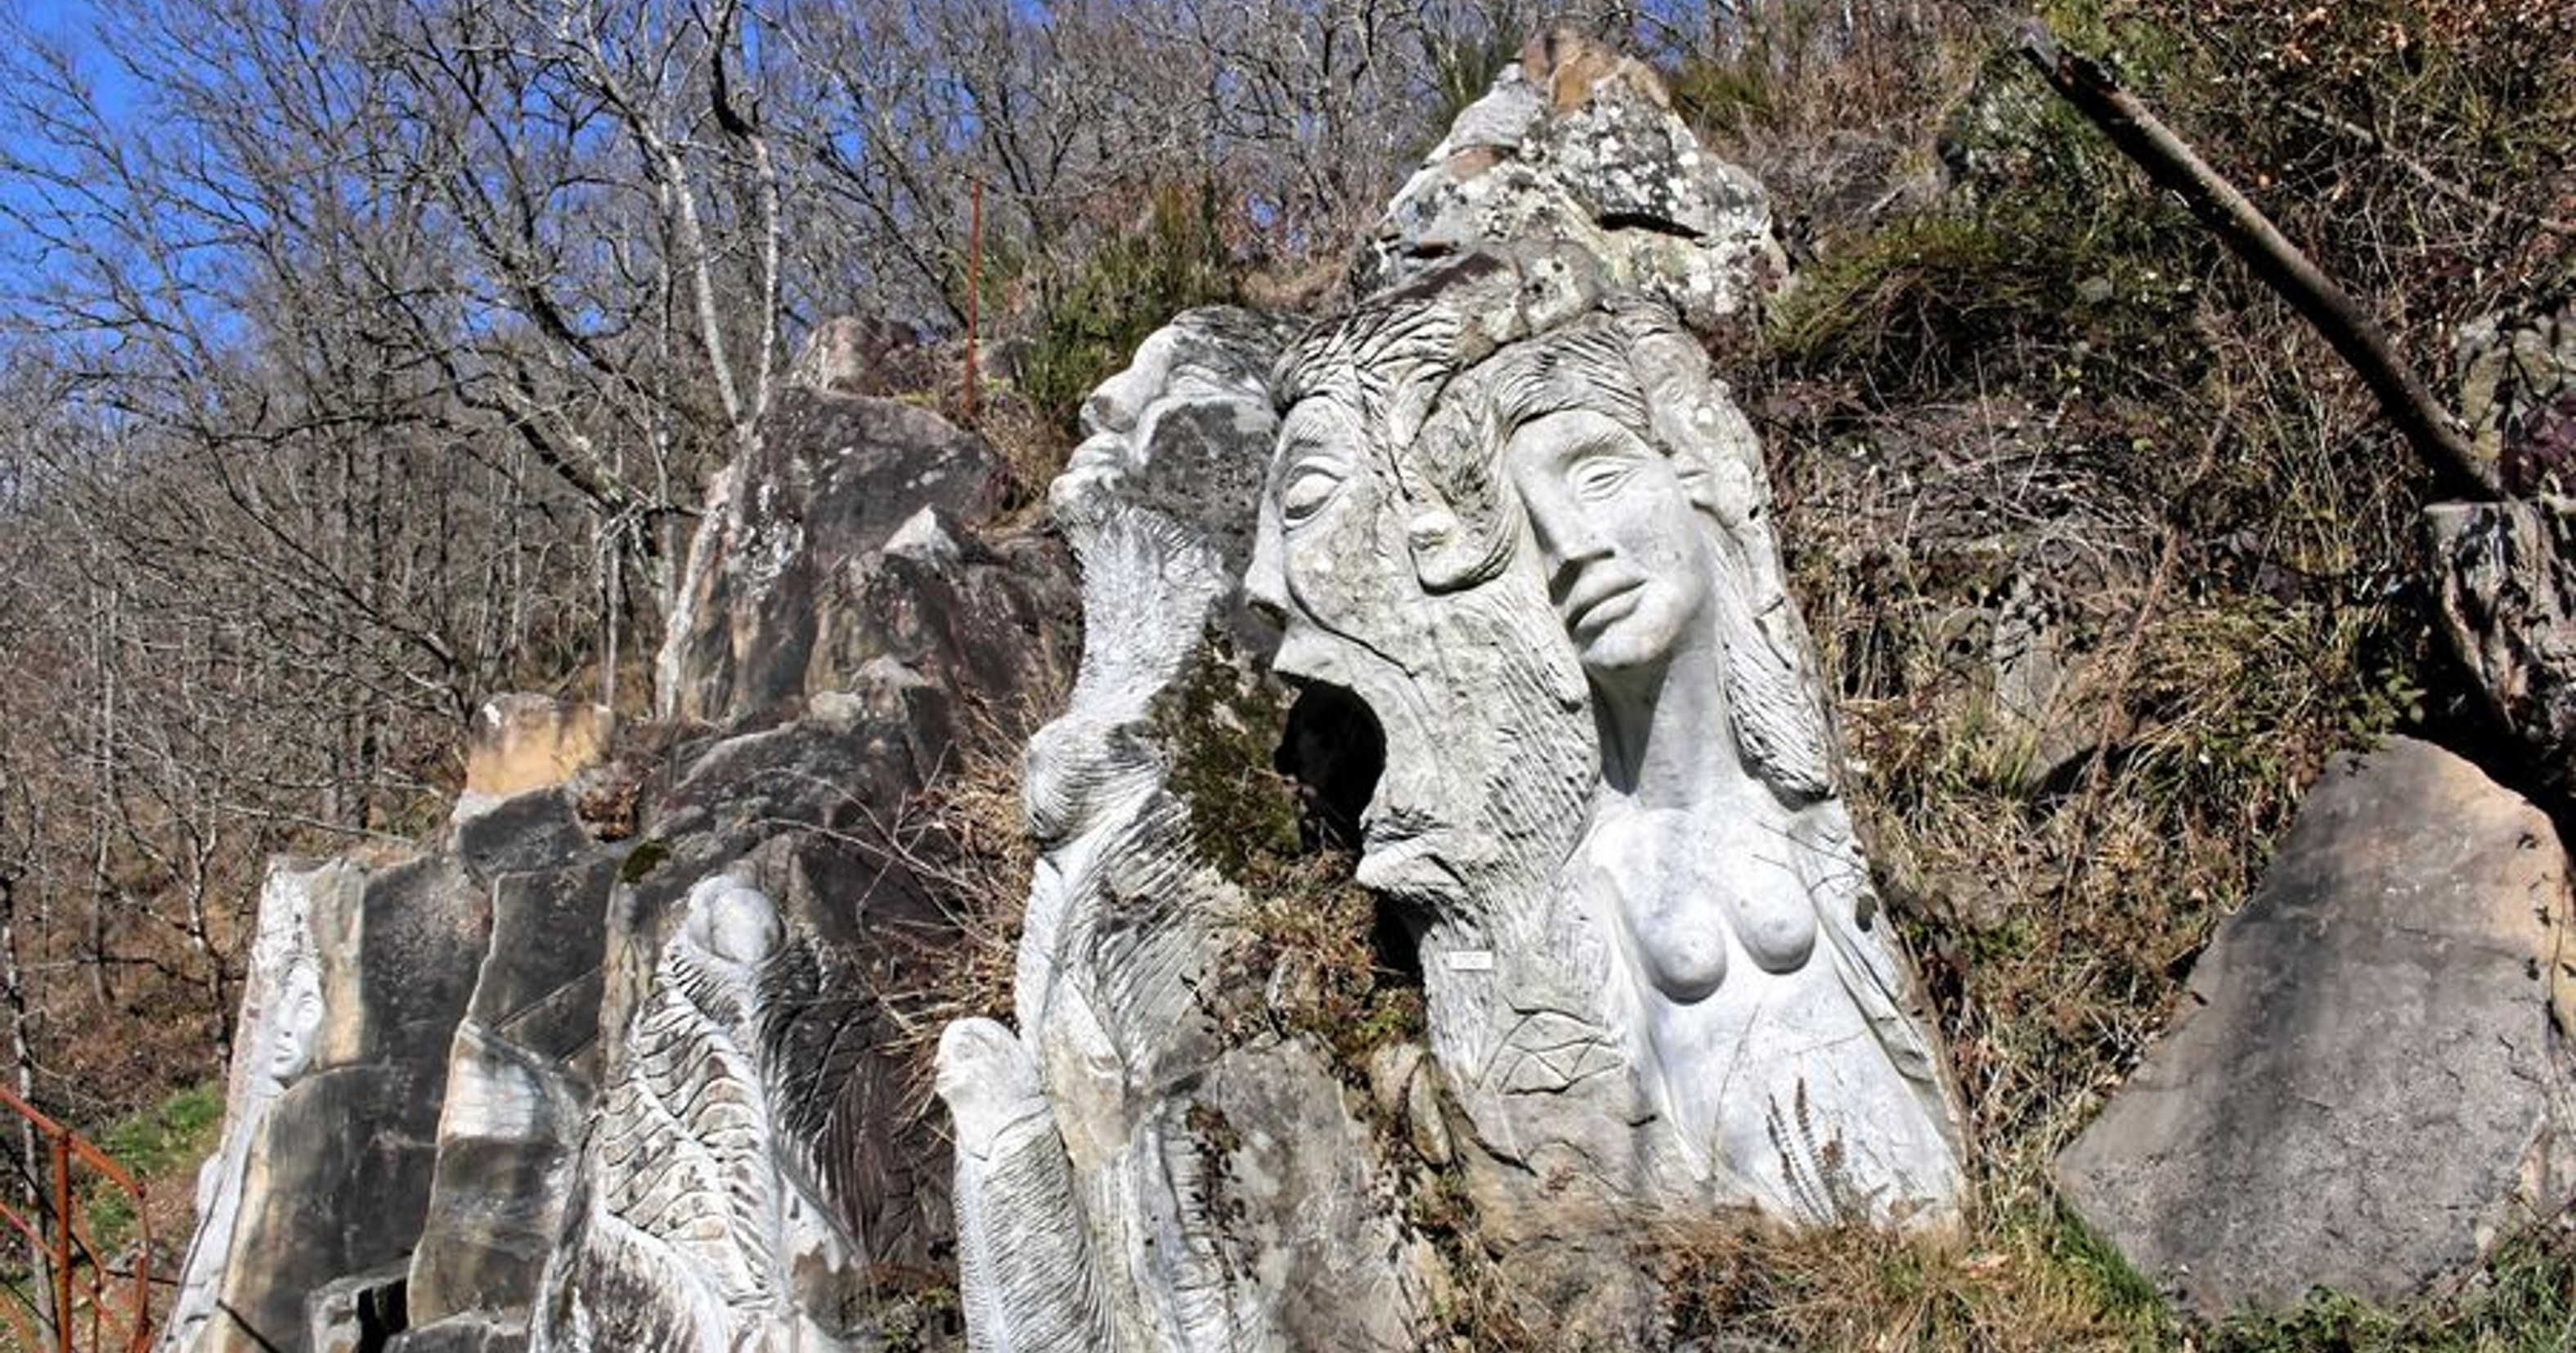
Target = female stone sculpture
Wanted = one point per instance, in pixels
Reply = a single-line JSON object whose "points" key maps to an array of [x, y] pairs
{"points": [[1547, 453]]}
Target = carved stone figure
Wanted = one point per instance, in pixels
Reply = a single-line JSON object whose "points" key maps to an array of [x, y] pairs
{"points": [[1512, 512], [277, 1043], [696, 1223], [357, 978], [1128, 1179]]}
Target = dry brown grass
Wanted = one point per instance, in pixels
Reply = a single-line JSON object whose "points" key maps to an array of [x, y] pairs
{"points": [[1032, 443], [965, 838], [2010, 1285], [2039, 385]]}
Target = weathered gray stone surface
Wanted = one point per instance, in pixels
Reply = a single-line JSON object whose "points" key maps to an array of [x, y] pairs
{"points": [[506, 1015], [357, 979], [1300, 1178], [789, 576], [2517, 375], [461, 1334], [1167, 434], [356, 1314], [412, 1076], [1576, 143], [849, 676], [2366, 1085], [863, 354], [521, 1075], [1126, 1179], [1512, 512], [2506, 576]]}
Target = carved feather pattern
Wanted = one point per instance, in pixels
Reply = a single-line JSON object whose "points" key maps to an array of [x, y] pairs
{"points": [[693, 1208], [686, 1143], [1123, 924], [1025, 1270], [1082, 1220]]}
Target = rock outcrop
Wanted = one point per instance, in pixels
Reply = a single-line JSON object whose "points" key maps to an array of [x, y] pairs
{"points": [[1651, 955], [623, 1039], [522, 742], [634, 1043], [700, 1219], [1576, 143], [1512, 519], [2517, 375], [522, 1069], [358, 976], [2367, 1085], [2505, 573], [816, 547]]}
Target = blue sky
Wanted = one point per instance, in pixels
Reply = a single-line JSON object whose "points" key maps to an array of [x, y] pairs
{"points": [[75, 23]]}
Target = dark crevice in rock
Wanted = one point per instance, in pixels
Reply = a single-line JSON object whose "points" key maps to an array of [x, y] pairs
{"points": [[1634, 220], [1395, 944], [1334, 751]]}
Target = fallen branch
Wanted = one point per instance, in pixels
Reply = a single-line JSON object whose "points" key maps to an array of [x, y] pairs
{"points": [[2422, 174], [2354, 335]]}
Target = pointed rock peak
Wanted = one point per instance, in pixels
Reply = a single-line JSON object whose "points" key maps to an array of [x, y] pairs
{"points": [[1571, 66], [1578, 143]]}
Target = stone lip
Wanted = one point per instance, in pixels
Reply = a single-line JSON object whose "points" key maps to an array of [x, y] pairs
{"points": [[2366, 1088]]}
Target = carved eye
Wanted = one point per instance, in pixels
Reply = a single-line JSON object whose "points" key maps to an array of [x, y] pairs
{"points": [[1597, 477], [1311, 484]]}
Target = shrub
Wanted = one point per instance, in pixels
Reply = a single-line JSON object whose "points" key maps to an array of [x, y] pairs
{"points": [[1173, 257]]}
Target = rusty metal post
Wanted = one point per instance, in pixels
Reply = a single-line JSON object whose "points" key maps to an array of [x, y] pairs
{"points": [[63, 1244], [974, 283], [142, 1272]]}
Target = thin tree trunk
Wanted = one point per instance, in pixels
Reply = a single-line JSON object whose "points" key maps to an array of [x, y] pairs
{"points": [[101, 862], [31, 1153], [2328, 308]]}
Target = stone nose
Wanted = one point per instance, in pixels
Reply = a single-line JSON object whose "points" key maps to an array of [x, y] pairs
{"points": [[1302, 655], [1265, 578], [1567, 536]]}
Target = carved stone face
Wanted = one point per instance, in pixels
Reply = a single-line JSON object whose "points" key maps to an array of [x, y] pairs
{"points": [[1517, 517], [1626, 563], [299, 1013], [1330, 562]]}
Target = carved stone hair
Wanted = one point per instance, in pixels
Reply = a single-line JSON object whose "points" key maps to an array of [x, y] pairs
{"points": [[1448, 368], [1443, 371]]}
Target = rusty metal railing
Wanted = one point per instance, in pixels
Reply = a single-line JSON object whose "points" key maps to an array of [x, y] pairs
{"points": [[85, 1291]]}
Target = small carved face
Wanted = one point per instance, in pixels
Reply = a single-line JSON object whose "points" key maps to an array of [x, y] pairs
{"points": [[299, 1012], [1321, 541], [1327, 563], [1626, 562]]}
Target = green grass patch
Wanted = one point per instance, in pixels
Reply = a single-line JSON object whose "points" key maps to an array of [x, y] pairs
{"points": [[2522, 1300], [161, 1147], [1176, 258]]}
